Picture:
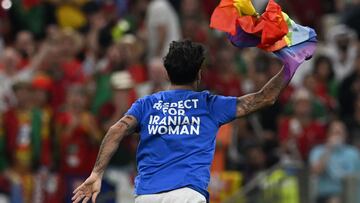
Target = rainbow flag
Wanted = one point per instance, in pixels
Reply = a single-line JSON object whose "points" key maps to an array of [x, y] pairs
{"points": [[270, 31]]}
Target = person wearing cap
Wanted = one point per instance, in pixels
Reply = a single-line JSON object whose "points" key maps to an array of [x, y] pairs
{"points": [[41, 86], [120, 166]]}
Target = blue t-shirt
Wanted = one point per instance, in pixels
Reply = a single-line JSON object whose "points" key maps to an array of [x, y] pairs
{"points": [[177, 138]]}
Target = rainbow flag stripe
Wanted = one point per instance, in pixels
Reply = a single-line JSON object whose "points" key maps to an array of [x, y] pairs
{"points": [[270, 31]]}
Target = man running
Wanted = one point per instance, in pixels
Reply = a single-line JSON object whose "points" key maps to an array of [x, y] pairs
{"points": [[178, 128]]}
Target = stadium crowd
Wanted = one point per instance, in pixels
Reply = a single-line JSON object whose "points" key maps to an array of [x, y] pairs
{"points": [[69, 69]]}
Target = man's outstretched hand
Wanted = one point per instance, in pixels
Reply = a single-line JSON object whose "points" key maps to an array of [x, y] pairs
{"points": [[91, 187], [88, 190]]}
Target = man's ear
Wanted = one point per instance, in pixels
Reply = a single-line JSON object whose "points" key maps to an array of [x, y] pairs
{"points": [[199, 75]]}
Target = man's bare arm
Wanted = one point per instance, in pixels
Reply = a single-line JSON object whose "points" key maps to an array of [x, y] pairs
{"points": [[292, 58], [265, 97], [90, 188], [110, 143]]}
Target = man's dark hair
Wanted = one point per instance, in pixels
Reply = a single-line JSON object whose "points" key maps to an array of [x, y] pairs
{"points": [[183, 61]]}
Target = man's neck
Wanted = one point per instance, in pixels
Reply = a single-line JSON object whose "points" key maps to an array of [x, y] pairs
{"points": [[182, 87]]}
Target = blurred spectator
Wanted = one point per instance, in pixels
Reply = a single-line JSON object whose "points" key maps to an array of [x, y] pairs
{"points": [[64, 66], [114, 60], [192, 9], [322, 104], [300, 132], [194, 29], [42, 85], [349, 88], [25, 45], [158, 79], [163, 27], [194, 22], [224, 73], [78, 137], [18, 127], [134, 52], [27, 141], [326, 87], [331, 162], [123, 95], [342, 48], [10, 61], [118, 174], [10, 73]]}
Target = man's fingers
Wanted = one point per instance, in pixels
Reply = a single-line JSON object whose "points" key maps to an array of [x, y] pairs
{"points": [[78, 188], [76, 195], [93, 199], [86, 182], [86, 199], [79, 198]]}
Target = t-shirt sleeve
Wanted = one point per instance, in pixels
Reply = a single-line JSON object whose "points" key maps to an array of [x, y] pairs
{"points": [[222, 108], [136, 110]]}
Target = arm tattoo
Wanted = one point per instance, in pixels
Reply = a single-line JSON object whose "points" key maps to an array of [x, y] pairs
{"points": [[125, 123], [111, 141], [129, 129], [100, 163], [265, 97]]}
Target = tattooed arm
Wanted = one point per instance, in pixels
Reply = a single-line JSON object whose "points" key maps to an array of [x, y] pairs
{"points": [[292, 58], [110, 143], [265, 97], [91, 187]]}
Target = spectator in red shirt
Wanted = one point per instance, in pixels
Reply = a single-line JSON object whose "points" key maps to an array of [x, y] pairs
{"points": [[26, 132], [300, 132], [78, 137], [63, 65]]}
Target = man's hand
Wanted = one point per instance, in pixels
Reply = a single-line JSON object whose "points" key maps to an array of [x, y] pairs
{"points": [[91, 187], [88, 190], [292, 57]]}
